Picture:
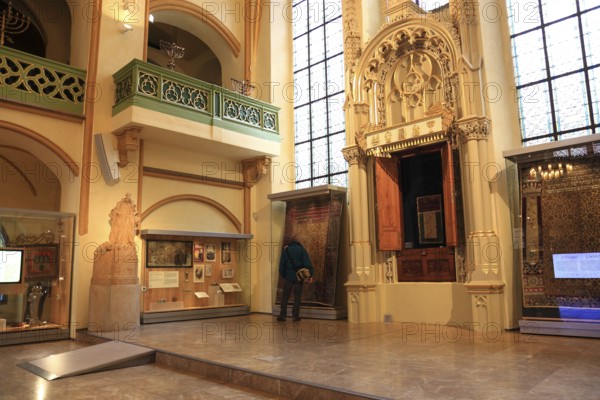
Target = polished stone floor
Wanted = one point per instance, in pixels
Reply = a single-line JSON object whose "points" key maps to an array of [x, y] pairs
{"points": [[379, 360]]}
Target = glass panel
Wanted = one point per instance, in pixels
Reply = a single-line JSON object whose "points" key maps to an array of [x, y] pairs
{"points": [[334, 37], [523, 15], [299, 18], [301, 52], [320, 165], [315, 13], [319, 118], [529, 58], [538, 141], [303, 185], [318, 88], [570, 102], [335, 109], [591, 29], [536, 119], [340, 179], [564, 49], [583, 132], [556, 9], [595, 89], [587, 4], [303, 161], [335, 75], [337, 163], [301, 123], [333, 9], [317, 45], [301, 87], [429, 5]]}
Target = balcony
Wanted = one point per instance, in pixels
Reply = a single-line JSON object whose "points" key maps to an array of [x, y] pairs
{"points": [[215, 113], [39, 82]]}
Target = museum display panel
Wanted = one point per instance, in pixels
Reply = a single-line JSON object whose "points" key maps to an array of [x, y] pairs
{"points": [[36, 263], [556, 220], [189, 275]]}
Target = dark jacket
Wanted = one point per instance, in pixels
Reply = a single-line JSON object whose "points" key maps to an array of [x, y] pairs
{"points": [[299, 256]]}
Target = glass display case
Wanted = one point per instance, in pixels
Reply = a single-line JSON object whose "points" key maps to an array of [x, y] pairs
{"points": [[316, 217], [36, 264], [189, 275], [554, 192]]}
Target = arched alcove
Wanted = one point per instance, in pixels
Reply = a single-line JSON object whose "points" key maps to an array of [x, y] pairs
{"points": [[199, 61], [48, 28]]}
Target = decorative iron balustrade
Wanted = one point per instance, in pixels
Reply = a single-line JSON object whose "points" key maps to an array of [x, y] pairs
{"points": [[159, 89], [37, 81]]}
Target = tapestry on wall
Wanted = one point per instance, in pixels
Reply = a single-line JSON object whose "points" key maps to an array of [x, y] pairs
{"points": [[315, 222], [560, 216]]}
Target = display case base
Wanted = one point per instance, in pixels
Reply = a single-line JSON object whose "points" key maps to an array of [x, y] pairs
{"points": [[31, 335], [330, 313], [195, 313], [560, 328]]}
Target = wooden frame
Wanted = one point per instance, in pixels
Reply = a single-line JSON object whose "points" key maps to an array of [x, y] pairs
{"points": [[168, 254], [41, 262]]}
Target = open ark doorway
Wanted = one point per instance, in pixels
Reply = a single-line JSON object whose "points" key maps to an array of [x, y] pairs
{"points": [[419, 211]]}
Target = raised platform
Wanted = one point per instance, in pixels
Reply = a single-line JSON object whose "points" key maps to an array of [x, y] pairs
{"points": [[327, 313], [195, 313], [560, 328]]}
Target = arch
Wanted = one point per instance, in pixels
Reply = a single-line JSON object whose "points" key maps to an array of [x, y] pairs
{"points": [[47, 143], [197, 198], [21, 174], [398, 39], [201, 14]]}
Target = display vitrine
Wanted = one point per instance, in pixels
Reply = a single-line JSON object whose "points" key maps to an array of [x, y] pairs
{"points": [[36, 263], [189, 275]]}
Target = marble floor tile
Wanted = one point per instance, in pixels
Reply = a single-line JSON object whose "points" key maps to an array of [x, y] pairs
{"points": [[379, 360]]}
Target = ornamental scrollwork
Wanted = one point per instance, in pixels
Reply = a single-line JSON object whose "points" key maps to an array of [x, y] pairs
{"points": [[187, 96], [354, 155], [148, 84], [41, 80], [241, 112], [474, 129]]}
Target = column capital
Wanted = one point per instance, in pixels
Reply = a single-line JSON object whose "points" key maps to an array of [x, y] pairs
{"points": [[354, 155], [473, 128]]}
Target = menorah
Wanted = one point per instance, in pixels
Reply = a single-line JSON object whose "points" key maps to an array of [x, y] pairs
{"points": [[13, 22], [172, 51], [242, 87]]}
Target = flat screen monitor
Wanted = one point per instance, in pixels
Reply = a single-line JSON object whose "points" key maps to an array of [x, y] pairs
{"points": [[577, 265], [11, 265]]}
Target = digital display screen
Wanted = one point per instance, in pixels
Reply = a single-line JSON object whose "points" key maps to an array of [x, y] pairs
{"points": [[11, 266], [576, 265]]}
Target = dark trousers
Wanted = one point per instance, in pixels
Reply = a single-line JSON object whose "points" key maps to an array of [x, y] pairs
{"points": [[285, 297]]}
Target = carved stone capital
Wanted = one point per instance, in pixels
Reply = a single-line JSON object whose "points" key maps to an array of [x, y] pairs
{"points": [[477, 128], [253, 169], [127, 140], [354, 155], [465, 11]]}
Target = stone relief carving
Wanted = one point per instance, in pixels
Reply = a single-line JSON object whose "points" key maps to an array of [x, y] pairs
{"points": [[474, 129], [115, 261]]}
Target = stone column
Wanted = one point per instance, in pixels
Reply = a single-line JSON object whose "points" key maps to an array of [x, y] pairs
{"points": [[484, 282], [361, 281]]}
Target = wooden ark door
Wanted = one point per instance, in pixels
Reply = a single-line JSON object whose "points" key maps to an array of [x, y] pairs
{"points": [[416, 212]]}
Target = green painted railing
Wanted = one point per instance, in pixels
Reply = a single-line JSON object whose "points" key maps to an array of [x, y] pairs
{"points": [[37, 81], [149, 86]]}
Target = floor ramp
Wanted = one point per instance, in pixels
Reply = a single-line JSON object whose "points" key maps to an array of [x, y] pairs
{"points": [[100, 357]]}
